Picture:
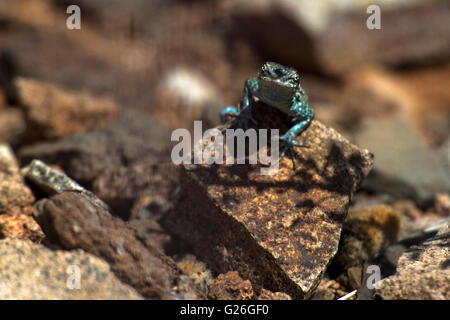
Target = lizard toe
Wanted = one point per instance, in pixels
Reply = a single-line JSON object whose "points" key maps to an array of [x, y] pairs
{"points": [[289, 143]]}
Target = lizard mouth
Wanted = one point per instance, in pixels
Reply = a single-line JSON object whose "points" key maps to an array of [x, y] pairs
{"points": [[279, 82]]}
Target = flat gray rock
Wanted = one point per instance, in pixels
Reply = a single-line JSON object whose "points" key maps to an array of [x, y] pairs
{"points": [[404, 165], [423, 272]]}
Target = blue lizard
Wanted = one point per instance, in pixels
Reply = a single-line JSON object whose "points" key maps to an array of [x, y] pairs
{"points": [[279, 87]]}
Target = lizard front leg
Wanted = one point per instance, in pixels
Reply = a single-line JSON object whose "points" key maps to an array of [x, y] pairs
{"points": [[251, 86], [302, 111], [289, 138]]}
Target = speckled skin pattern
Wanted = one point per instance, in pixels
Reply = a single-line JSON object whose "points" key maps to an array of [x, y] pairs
{"points": [[279, 87]]}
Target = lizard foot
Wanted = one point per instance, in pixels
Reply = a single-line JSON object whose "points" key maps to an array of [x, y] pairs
{"points": [[241, 120], [226, 112], [289, 143]]}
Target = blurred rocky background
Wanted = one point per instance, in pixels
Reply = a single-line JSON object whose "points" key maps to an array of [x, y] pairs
{"points": [[99, 104]]}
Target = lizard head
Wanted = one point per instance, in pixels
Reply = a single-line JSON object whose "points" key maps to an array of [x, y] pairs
{"points": [[275, 74]]}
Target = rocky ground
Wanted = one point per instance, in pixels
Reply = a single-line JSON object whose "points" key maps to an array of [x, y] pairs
{"points": [[87, 185]]}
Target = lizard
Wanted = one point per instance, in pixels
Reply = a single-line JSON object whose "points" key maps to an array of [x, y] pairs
{"points": [[279, 87]]}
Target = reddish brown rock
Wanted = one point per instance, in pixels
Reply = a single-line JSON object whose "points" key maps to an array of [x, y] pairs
{"points": [[269, 295], [12, 125], [328, 290], [418, 96], [16, 201], [74, 221], [142, 190], [230, 286], [20, 226], [52, 112], [15, 197], [425, 91], [423, 272], [278, 231]]}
